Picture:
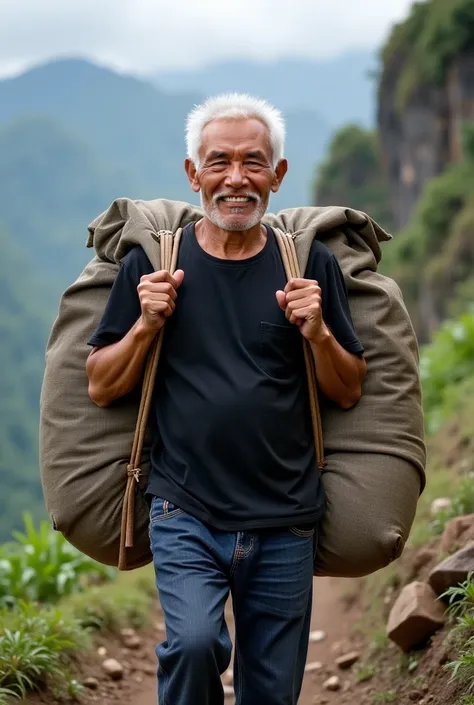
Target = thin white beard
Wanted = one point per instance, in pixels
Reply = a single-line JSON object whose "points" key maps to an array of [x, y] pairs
{"points": [[211, 209]]}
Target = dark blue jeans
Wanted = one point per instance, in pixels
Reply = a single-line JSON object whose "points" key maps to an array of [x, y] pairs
{"points": [[268, 573]]}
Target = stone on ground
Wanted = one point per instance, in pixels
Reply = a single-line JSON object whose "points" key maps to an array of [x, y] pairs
{"points": [[91, 683], [415, 616], [113, 669], [332, 683], [317, 636], [457, 533], [347, 660], [313, 667], [452, 570]]}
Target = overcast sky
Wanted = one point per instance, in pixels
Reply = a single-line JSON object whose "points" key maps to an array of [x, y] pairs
{"points": [[142, 35]]}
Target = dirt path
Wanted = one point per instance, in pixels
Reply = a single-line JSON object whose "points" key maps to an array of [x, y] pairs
{"points": [[328, 616]]}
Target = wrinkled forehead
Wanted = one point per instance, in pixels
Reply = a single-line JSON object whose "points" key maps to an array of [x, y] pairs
{"points": [[235, 135]]}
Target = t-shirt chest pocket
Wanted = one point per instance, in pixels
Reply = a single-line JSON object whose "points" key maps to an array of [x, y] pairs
{"points": [[279, 349]]}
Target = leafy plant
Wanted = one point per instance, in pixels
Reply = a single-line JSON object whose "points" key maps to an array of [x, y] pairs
{"points": [[42, 566], [444, 365], [34, 649], [461, 608]]}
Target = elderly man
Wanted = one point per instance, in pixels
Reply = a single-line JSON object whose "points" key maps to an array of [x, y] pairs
{"points": [[234, 490]]}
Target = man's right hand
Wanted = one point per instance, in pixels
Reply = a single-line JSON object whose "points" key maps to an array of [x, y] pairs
{"points": [[157, 293]]}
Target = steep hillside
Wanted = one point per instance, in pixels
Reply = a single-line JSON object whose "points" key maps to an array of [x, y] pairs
{"points": [[23, 330], [51, 187], [432, 258], [352, 175], [426, 93]]}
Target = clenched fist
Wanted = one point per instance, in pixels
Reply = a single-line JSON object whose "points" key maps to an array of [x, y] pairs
{"points": [[157, 293], [301, 302]]}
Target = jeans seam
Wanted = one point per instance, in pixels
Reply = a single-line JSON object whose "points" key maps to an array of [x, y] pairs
{"points": [[240, 673], [170, 515], [237, 554], [245, 552], [304, 533]]}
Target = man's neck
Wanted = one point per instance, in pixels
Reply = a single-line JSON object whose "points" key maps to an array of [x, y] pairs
{"points": [[230, 244]]}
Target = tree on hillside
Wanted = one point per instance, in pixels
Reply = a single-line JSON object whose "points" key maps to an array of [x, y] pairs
{"points": [[352, 175]]}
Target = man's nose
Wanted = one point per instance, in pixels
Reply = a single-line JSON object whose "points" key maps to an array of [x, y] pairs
{"points": [[236, 175]]}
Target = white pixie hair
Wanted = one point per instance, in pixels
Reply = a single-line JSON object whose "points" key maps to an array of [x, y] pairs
{"points": [[234, 105]]}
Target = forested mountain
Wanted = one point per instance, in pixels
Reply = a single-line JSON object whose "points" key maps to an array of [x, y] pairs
{"points": [[24, 321], [52, 185], [352, 174], [132, 127]]}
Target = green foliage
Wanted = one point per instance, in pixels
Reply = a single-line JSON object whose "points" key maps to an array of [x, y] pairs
{"points": [[43, 567], [446, 367], [462, 504], [352, 175], [461, 609], [36, 649], [113, 606], [387, 696], [23, 332], [364, 672], [432, 259], [426, 42]]}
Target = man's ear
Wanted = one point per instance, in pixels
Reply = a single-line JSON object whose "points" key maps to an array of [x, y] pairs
{"points": [[279, 175], [192, 174]]}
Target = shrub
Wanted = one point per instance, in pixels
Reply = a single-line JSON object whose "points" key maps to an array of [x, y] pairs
{"points": [[41, 566], [35, 649]]}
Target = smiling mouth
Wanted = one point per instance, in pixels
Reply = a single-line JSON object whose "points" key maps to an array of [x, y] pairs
{"points": [[236, 199]]}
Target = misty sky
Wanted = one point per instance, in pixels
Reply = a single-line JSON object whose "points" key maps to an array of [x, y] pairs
{"points": [[143, 35]]}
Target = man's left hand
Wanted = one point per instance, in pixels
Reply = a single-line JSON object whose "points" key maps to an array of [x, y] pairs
{"points": [[301, 301]]}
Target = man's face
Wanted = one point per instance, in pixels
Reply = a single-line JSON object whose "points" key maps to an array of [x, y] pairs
{"points": [[236, 173]]}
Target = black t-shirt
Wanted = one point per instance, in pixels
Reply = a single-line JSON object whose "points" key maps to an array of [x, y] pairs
{"points": [[233, 444]]}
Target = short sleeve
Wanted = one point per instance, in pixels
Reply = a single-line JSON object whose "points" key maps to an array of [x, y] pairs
{"points": [[123, 305], [336, 311]]}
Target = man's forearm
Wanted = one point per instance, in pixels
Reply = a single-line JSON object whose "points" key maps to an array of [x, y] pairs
{"points": [[339, 373], [115, 370]]}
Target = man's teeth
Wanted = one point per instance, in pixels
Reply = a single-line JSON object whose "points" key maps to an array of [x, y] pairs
{"points": [[236, 199]]}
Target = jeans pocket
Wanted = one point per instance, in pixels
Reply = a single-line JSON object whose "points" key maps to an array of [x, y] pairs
{"points": [[162, 509], [305, 532]]}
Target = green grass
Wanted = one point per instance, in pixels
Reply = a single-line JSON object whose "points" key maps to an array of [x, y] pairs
{"points": [[36, 649], [386, 696], [38, 641]]}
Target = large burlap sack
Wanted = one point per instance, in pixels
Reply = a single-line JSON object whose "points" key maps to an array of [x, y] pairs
{"points": [[375, 451]]}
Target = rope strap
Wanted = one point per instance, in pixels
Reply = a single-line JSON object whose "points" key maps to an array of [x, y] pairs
{"points": [[292, 270], [169, 258]]}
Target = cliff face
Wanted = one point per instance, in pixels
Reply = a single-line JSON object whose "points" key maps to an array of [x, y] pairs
{"points": [[419, 139]]}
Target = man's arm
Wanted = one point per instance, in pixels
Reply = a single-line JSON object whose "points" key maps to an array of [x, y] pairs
{"points": [[340, 373], [114, 370]]}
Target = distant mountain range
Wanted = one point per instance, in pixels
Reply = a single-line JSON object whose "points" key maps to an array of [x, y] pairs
{"points": [[340, 90]]}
